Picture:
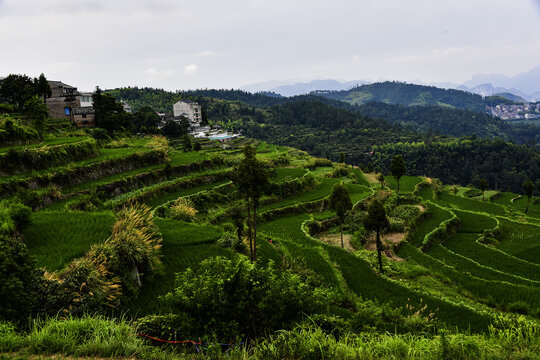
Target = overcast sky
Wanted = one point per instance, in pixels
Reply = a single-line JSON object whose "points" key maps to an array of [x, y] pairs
{"points": [[177, 44]]}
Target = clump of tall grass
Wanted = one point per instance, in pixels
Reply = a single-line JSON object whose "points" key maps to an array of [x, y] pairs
{"points": [[113, 268], [159, 143], [10, 340], [85, 336], [183, 209]]}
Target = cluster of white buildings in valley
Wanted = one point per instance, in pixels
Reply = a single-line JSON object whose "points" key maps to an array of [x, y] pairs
{"points": [[515, 112], [192, 111]]}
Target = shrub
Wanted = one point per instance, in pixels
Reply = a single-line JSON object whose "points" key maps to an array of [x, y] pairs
{"points": [[230, 240], [232, 299], [340, 170], [14, 134], [14, 217], [21, 282], [359, 239], [318, 162], [183, 209], [21, 215], [473, 192]]}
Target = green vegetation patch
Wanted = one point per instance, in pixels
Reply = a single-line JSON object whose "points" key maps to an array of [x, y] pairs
{"points": [[518, 238], [435, 218], [457, 202], [56, 238], [288, 173], [475, 223], [470, 267], [466, 245], [324, 189], [406, 183]]}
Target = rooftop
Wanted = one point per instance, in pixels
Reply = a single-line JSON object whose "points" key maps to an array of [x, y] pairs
{"points": [[60, 84]]}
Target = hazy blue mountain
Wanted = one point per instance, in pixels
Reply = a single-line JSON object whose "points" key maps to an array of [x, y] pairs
{"points": [[511, 97], [300, 88], [490, 90], [526, 82]]}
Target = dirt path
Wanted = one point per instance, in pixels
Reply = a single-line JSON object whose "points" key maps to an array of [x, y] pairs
{"points": [[335, 239], [393, 238]]}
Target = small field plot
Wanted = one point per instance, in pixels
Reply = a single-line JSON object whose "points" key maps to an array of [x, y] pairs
{"points": [[324, 189], [466, 245], [288, 228], [311, 258], [161, 199], [287, 173], [457, 202], [436, 217], [358, 192], [406, 183], [56, 238], [504, 198], [475, 223], [521, 204], [520, 240], [182, 233], [181, 158], [53, 141], [501, 293]]}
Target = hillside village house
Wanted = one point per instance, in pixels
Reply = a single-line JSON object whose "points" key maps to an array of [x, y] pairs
{"points": [[188, 109], [80, 111]]}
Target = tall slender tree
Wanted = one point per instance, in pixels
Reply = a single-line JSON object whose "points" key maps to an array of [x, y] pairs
{"points": [[398, 168], [376, 220], [483, 186], [380, 178], [340, 202], [43, 88], [528, 188], [251, 179]]}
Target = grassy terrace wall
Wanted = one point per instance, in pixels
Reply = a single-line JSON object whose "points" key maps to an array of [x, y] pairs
{"points": [[126, 184], [73, 175], [20, 160], [151, 192]]}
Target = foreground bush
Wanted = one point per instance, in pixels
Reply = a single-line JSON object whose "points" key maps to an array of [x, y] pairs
{"points": [[229, 298]]}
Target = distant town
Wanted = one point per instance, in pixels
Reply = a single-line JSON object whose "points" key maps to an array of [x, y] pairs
{"points": [[524, 111]]}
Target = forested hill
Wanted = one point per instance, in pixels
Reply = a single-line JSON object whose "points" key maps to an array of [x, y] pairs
{"points": [[439, 120], [225, 106], [162, 100], [413, 95]]}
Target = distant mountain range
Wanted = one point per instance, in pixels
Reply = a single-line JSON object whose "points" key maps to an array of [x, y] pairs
{"points": [[400, 93], [522, 87], [301, 88]]}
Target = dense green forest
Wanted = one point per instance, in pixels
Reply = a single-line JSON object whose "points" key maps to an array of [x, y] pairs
{"points": [[465, 161], [414, 95]]}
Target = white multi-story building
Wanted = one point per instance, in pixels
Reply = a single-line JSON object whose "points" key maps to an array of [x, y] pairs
{"points": [[188, 109], [86, 99]]}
